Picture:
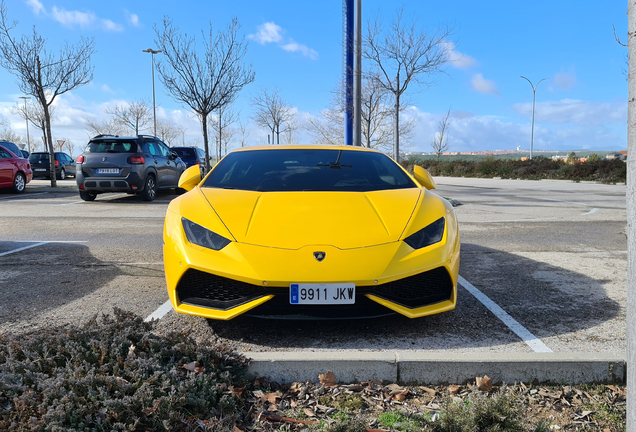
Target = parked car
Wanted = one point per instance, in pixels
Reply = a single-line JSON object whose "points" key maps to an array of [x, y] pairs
{"points": [[137, 165], [191, 156], [64, 165], [11, 147], [15, 171], [25, 154]]}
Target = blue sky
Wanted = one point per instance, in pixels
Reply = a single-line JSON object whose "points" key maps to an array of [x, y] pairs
{"points": [[296, 46]]}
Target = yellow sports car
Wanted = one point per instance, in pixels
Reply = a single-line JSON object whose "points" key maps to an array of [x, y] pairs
{"points": [[310, 232]]}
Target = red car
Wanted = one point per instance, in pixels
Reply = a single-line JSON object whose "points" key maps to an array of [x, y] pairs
{"points": [[15, 172]]}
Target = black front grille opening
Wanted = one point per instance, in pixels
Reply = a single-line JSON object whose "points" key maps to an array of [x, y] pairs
{"points": [[198, 288], [419, 290]]}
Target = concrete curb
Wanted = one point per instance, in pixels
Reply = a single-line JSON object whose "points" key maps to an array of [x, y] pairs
{"points": [[430, 368]]}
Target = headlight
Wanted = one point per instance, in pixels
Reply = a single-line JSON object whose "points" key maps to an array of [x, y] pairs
{"points": [[202, 236], [427, 236]]}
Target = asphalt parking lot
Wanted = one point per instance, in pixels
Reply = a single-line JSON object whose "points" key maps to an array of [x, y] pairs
{"points": [[543, 269]]}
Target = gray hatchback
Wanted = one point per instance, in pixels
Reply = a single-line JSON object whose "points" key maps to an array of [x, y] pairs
{"points": [[136, 165]]}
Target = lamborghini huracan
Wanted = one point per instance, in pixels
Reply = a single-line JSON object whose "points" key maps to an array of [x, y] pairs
{"points": [[310, 231]]}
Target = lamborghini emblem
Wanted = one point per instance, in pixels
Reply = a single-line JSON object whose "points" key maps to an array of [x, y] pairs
{"points": [[320, 256]]}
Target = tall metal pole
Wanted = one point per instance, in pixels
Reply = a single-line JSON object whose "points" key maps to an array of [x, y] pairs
{"points": [[357, 84], [534, 90], [26, 117], [348, 72], [154, 106]]}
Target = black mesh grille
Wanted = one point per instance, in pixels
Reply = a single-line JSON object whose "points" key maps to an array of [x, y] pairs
{"points": [[205, 289], [91, 184], [422, 289], [120, 184], [104, 184]]}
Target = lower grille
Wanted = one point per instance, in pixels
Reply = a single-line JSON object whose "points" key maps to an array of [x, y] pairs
{"points": [[121, 184], [90, 184], [198, 288], [104, 184], [422, 289]]}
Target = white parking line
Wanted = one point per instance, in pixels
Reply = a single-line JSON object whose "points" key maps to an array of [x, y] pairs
{"points": [[23, 248], [24, 196], [594, 210], [160, 312], [531, 340], [96, 199]]}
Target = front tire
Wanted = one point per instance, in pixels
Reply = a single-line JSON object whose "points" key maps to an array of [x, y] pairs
{"points": [[19, 183], [88, 196], [150, 189]]}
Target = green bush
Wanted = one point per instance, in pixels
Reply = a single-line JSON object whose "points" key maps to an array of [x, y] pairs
{"points": [[113, 374]]}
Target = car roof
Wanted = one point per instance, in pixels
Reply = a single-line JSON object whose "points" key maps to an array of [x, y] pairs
{"points": [[305, 147]]}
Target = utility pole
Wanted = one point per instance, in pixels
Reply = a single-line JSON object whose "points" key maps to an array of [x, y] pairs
{"points": [[348, 69], [534, 90], [26, 117], [631, 219], [357, 83], [154, 106]]}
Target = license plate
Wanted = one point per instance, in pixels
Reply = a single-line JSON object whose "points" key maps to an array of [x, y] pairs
{"points": [[40, 169], [322, 294], [108, 171]]}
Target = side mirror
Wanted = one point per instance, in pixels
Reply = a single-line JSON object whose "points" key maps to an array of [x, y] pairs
{"points": [[423, 177], [190, 178], [174, 155]]}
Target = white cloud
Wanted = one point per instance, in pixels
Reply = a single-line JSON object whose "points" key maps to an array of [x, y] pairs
{"points": [[73, 18], [563, 81], [107, 89], [266, 33], [585, 113], [482, 85], [133, 19], [304, 50], [36, 6], [112, 26], [270, 32], [458, 59]]}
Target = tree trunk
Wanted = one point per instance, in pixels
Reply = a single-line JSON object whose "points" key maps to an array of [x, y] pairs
{"points": [[47, 124], [631, 220], [204, 124], [277, 133], [396, 132], [218, 155]]}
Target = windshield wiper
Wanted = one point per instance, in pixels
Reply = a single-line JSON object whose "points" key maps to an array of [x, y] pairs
{"points": [[336, 164]]}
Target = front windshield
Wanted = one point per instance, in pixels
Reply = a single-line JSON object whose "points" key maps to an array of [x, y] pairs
{"points": [[308, 170]]}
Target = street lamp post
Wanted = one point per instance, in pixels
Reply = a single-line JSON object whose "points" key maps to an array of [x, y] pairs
{"points": [[534, 89], [154, 109], [26, 117]]}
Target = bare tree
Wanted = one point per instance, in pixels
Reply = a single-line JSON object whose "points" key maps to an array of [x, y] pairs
{"points": [[106, 127], [135, 115], [243, 131], [41, 73], [272, 112], [6, 131], [224, 132], [168, 132], [440, 142], [376, 115], [34, 113], [204, 82], [404, 55]]}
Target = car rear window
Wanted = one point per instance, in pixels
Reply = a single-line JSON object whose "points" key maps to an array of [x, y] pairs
{"points": [[111, 147], [308, 170], [39, 157], [185, 153]]}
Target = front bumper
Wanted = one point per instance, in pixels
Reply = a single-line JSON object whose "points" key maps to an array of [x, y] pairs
{"points": [[243, 278]]}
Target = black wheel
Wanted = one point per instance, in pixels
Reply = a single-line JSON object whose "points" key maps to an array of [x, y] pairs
{"points": [[62, 175], [19, 183], [150, 189], [179, 191], [88, 196]]}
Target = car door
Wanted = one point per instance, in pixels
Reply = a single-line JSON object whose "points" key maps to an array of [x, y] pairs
{"points": [[6, 169], [171, 174], [70, 164]]}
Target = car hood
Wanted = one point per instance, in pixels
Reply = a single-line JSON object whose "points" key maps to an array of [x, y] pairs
{"points": [[292, 220]]}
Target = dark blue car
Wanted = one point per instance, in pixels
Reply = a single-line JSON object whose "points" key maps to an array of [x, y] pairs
{"points": [[191, 156]]}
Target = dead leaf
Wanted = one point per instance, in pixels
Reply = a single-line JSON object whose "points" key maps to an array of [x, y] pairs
{"points": [[309, 412], [523, 385], [193, 367], [271, 397], [272, 408], [401, 396], [453, 389], [295, 387], [484, 384], [430, 391], [328, 379], [294, 403], [236, 429], [237, 391]]}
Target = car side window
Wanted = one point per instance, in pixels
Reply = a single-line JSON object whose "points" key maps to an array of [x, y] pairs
{"points": [[152, 149], [4, 154], [163, 149]]}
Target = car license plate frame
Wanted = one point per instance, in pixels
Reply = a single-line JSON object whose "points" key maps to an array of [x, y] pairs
{"points": [[107, 170], [40, 169], [322, 293]]}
